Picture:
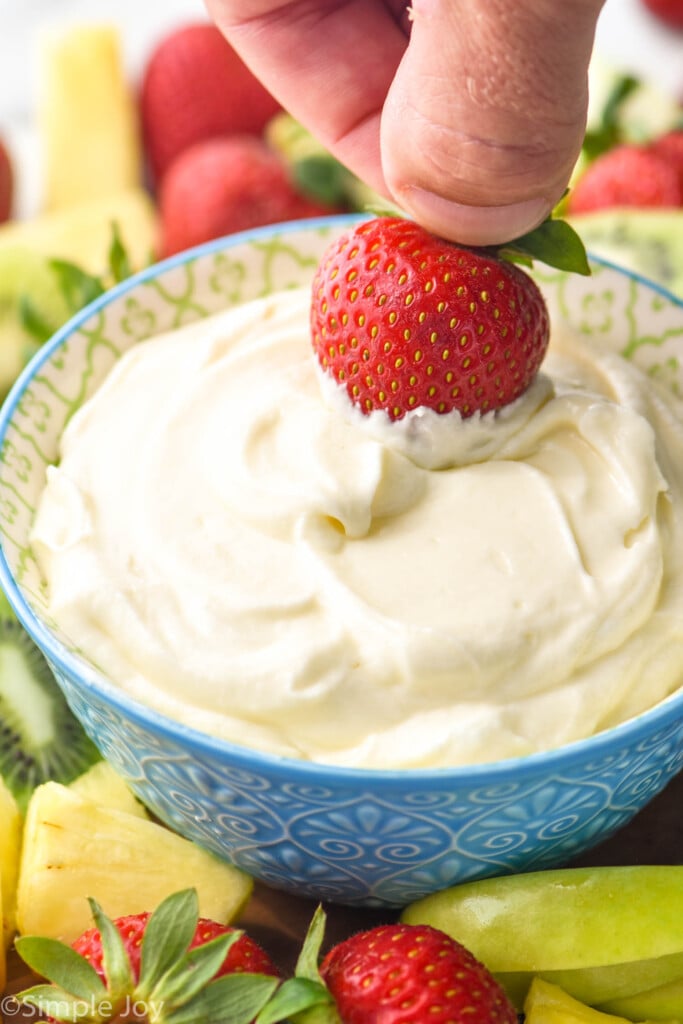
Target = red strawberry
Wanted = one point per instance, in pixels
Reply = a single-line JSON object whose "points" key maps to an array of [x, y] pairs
{"points": [[403, 319], [670, 148], [668, 11], [6, 184], [194, 87], [154, 967], [224, 185], [401, 974], [627, 175], [244, 955]]}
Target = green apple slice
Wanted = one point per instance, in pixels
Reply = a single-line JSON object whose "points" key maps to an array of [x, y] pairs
{"points": [[601, 933], [663, 1003]]}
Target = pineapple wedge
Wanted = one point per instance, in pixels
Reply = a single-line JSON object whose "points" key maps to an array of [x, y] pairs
{"points": [[3, 958], [102, 785], [10, 846], [549, 1004], [74, 848], [87, 116], [82, 232]]}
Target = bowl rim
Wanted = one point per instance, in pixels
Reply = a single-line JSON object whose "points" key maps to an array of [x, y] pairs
{"points": [[665, 713]]}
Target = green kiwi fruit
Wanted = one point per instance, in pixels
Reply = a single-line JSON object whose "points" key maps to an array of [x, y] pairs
{"points": [[32, 306], [40, 738]]}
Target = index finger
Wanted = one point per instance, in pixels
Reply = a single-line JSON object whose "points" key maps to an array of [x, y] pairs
{"points": [[329, 63]]}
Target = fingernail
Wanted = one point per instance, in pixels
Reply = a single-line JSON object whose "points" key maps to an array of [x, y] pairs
{"points": [[473, 225]]}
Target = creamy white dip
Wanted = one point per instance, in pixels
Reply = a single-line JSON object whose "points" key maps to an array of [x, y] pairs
{"points": [[234, 545]]}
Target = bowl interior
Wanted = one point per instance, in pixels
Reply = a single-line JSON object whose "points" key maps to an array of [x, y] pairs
{"points": [[614, 309]]}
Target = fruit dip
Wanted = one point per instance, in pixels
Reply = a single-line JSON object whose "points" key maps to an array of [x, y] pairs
{"points": [[234, 544]]}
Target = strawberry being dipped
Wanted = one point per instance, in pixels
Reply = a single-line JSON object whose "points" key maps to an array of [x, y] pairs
{"points": [[195, 87], [402, 320]]}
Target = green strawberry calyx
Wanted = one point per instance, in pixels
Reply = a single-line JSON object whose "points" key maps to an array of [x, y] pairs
{"points": [[554, 242], [78, 287], [176, 983]]}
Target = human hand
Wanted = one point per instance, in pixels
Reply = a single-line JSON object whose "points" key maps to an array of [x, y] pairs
{"points": [[468, 114]]}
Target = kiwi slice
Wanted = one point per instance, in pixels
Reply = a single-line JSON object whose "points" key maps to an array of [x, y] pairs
{"points": [[32, 306], [40, 738]]}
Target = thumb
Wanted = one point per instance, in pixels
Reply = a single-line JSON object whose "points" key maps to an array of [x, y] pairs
{"points": [[486, 114]]}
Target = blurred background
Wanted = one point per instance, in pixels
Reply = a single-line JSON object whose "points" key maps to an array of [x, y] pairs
{"points": [[627, 35]]}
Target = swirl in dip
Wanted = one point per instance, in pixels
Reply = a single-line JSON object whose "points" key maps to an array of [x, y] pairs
{"points": [[233, 544]]}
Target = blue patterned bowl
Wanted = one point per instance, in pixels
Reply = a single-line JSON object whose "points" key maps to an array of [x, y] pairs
{"points": [[343, 835]]}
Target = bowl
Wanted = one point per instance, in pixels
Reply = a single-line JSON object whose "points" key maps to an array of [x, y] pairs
{"points": [[344, 835]]}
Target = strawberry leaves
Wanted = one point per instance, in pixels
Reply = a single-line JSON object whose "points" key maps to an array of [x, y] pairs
{"points": [[75, 987], [554, 242], [116, 963], [78, 286], [177, 978], [177, 982]]}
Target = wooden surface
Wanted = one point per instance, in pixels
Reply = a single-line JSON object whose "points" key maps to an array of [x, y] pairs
{"points": [[278, 920]]}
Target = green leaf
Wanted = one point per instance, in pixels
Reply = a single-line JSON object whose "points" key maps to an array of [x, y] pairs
{"points": [[230, 999], [78, 287], [295, 995], [193, 971], [119, 263], [33, 322], [54, 1002], [609, 131], [324, 1013], [322, 177], [62, 965], [307, 964], [115, 960], [167, 936], [554, 242]]}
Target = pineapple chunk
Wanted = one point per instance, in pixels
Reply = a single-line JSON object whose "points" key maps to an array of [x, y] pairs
{"points": [[549, 1004], [10, 846], [102, 785], [87, 117], [74, 849], [3, 957], [82, 233]]}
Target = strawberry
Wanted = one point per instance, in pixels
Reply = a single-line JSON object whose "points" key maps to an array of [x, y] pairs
{"points": [[627, 175], [151, 967], [670, 148], [402, 973], [194, 86], [402, 319], [244, 955], [668, 11], [6, 184], [223, 185]]}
